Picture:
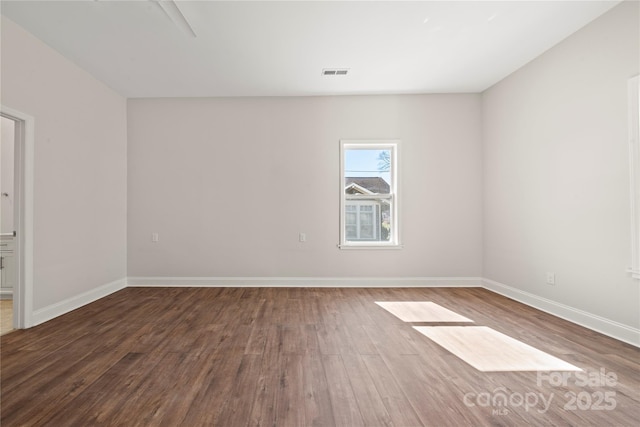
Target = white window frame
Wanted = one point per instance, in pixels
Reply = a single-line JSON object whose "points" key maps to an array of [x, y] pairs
{"points": [[393, 197], [634, 173]]}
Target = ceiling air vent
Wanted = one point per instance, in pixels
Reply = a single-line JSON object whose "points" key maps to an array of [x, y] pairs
{"points": [[335, 71]]}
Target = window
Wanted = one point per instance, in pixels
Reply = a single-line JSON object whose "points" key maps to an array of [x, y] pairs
{"points": [[369, 194]]}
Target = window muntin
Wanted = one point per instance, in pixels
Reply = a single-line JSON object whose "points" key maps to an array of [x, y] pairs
{"points": [[369, 194]]}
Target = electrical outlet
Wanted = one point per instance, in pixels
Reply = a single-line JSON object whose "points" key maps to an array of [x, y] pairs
{"points": [[551, 278], [302, 237], [155, 237]]}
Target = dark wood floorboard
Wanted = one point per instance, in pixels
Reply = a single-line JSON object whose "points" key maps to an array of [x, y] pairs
{"points": [[299, 357]]}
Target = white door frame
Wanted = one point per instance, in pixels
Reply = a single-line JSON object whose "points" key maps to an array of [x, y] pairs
{"points": [[23, 216]]}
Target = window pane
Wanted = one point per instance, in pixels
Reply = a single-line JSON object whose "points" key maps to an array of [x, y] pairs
{"points": [[366, 218], [367, 171], [366, 232], [351, 218], [385, 230]]}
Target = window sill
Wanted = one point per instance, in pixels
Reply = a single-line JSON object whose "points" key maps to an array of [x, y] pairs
{"points": [[369, 247]]}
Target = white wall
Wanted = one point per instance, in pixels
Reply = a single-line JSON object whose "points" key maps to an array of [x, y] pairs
{"points": [[229, 183], [556, 171], [80, 167], [6, 174]]}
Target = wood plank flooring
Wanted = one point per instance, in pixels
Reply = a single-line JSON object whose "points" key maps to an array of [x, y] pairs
{"points": [[6, 316], [302, 357]]}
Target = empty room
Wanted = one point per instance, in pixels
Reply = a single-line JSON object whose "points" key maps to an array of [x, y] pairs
{"points": [[320, 213]]}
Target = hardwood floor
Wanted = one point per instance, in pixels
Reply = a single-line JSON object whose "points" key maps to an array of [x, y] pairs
{"points": [[301, 357], [6, 316]]}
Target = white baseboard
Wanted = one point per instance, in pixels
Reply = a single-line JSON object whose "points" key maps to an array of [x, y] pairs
{"points": [[317, 282], [591, 321], [6, 293], [58, 309], [608, 327]]}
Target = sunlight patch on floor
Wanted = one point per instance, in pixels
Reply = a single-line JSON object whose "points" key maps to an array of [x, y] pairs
{"points": [[488, 350], [421, 311]]}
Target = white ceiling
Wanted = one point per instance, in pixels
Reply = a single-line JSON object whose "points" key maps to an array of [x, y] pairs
{"points": [[267, 48]]}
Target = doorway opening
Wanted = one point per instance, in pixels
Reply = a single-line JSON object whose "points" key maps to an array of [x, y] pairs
{"points": [[7, 230], [16, 219]]}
